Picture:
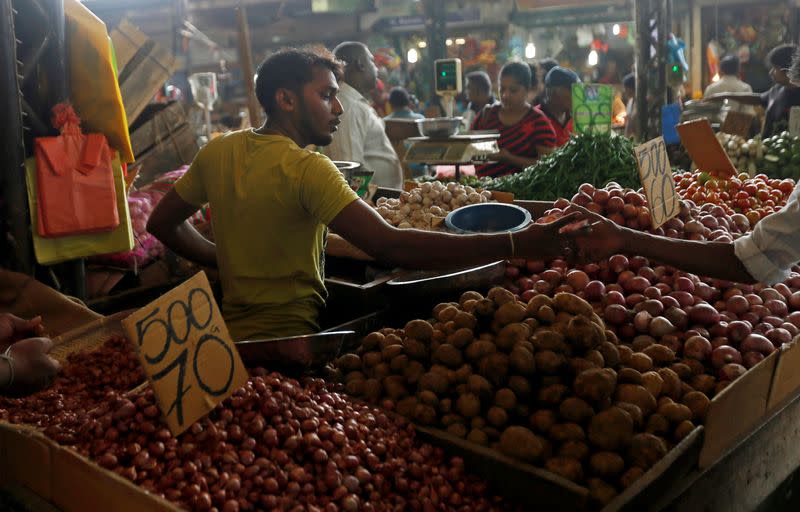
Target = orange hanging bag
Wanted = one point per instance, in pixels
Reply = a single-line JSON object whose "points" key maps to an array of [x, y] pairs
{"points": [[75, 180]]}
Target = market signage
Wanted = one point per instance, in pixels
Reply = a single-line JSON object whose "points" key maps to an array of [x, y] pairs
{"points": [[707, 153], [186, 351], [591, 107], [655, 172]]}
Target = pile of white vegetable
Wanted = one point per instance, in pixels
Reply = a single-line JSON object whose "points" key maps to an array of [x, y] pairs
{"points": [[426, 206], [744, 154]]}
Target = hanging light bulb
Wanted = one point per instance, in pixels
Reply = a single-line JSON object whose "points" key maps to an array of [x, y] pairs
{"points": [[422, 44], [592, 60], [530, 50], [449, 42], [615, 29], [412, 56], [461, 40]]}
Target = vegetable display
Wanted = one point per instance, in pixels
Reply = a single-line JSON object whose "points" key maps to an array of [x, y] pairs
{"points": [[744, 154], [782, 156], [596, 158]]}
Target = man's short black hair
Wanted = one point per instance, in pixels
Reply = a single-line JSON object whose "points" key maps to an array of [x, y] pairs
{"points": [[547, 64], [350, 51], [482, 80], [519, 71], [629, 81], [781, 56], [399, 97], [729, 65], [291, 69]]}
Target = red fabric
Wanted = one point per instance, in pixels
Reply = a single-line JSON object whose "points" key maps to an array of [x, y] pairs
{"points": [[520, 139]]}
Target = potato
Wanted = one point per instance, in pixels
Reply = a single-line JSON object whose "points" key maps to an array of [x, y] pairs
{"points": [[371, 359], [634, 411], [505, 398], [532, 323], [427, 397], [640, 362], [485, 308], [390, 339], [478, 422], [394, 387], [355, 387], [536, 302], [698, 403], [500, 295], [563, 432], [495, 368], [672, 383], [611, 429], [645, 450], [478, 349], [479, 386], [478, 436], [493, 434], [434, 381], [642, 342], [389, 352], [520, 386], [372, 341], [446, 406], [522, 361], [629, 376], [413, 372], [424, 414], [449, 419], [463, 373], [407, 406], [521, 443], [683, 429], [552, 395], [625, 354], [703, 383], [584, 334], [497, 416], [399, 363], [660, 354], [542, 420], [595, 357], [469, 306], [458, 430], [546, 315], [637, 395], [465, 320], [521, 410], [600, 492], [611, 337], [509, 313], [657, 424], [606, 464], [380, 371], [562, 317], [653, 382], [468, 405], [461, 338], [595, 384], [549, 362], [547, 339], [349, 362], [448, 355], [682, 370], [469, 296], [447, 313], [570, 469], [696, 366], [572, 304], [575, 410], [511, 334], [574, 450], [549, 380], [372, 390], [630, 476], [675, 413], [436, 310], [354, 376], [415, 349], [578, 365]]}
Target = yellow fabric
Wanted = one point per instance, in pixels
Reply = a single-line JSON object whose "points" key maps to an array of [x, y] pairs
{"points": [[270, 201], [94, 90], [55, 250]]}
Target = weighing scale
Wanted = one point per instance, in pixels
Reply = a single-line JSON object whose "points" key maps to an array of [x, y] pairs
{"points": [[205, 93], [461, 149]]}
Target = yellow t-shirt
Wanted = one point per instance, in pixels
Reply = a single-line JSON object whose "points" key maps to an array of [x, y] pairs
{"points": [[270, 201]]}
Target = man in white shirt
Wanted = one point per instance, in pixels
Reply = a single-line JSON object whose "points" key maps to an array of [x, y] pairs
{"points": [[361, 136], [729, 82]]}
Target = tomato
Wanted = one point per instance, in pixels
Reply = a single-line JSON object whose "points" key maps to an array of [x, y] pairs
{"points": [[750, 188], [762, 194], [753, 217], [762, 177], [743, 176], [769, 203], [773, 183], [711, 185], [743, 204], [786, 186], [742, 196], [698, 197]]}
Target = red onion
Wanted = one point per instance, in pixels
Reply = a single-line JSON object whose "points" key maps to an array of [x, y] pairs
{"points": [[757, 343], [697, 347], [723, 355]]}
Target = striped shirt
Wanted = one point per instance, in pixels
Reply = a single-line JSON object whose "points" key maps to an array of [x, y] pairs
{"points": [[520, 138], [563, 131]]}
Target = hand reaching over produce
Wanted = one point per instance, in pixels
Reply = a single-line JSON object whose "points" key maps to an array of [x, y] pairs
{"points": [[27, 366], [13, 328]]}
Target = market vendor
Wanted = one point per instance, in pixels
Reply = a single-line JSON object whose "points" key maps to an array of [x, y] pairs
{"points": [[479, 94], [525, 133], [272, 200], [779, 99], [25, 366], [557, 104]]}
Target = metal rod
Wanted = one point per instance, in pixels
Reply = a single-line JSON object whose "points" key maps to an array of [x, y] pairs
{"points": [[246, 62]]}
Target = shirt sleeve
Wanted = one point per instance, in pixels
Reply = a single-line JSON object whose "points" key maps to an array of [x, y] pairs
{"points": [[543, 133], [191, 186], [765, 98], [479, 120], [774, 244], [323, 190]]}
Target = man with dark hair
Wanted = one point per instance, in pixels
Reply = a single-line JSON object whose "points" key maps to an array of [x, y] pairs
{"points": [[400, 101], [544, 65], [729, 82], [557, 105], [362, 133], [779, 99], [479, 94], [272, 199]]}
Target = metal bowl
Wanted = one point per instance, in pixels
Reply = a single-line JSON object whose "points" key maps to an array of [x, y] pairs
{"points": [[439, 127], [357, 176], [434, 285], [307, 351], [488, 218]]}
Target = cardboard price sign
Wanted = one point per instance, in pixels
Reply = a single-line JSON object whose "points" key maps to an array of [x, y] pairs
{"points": [[702, 145], [591, 107], [737, 123], [655, 172], [186, 351]]}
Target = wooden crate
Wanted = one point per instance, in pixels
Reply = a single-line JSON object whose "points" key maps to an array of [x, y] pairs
{"points": [[179, 148], [155, 126]]}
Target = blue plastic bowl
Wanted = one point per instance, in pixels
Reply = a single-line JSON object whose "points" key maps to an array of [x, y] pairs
{"points": [[488, 218]]}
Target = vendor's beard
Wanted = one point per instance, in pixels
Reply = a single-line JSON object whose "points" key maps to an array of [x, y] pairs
{"points": [[307, 128]]}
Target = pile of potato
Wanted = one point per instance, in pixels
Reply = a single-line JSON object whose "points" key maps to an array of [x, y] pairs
{"points": [[544, 382], [426, 206]]}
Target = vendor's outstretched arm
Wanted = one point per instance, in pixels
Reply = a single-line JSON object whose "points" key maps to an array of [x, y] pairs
{"points": [[169, 223], [362, 226], [745, 98]]}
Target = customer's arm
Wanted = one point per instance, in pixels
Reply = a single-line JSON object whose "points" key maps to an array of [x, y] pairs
{"points": [[745, 98]]}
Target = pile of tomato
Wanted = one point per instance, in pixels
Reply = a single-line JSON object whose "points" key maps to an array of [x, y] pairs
{"points": [[754, 197]]}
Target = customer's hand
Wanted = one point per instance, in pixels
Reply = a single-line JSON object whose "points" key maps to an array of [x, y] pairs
{"points": [[13, 328], [600, 239], [33, 369], [551, 240]]}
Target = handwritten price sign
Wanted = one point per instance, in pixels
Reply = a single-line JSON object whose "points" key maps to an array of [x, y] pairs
{"points": [[656, 175], [186, 352]]}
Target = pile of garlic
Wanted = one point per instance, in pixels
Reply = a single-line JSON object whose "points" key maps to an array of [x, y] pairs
{"points": [[426, 206]]}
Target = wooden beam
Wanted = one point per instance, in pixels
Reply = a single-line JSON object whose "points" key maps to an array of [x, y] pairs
{"points": [[246, 62], [203, 5]]}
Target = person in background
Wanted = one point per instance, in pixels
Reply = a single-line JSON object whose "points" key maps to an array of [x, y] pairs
{"points": [[729, 82], [536, 83], [544, 65], [400, 102], [629, 98], [610, 74], [779, 99], [479, 94], [25, 366], [557, 105], [362, 136], [525, 133]]}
